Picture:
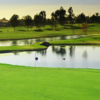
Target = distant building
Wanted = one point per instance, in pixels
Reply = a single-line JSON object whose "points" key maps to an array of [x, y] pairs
{"points": [[4, 22]]}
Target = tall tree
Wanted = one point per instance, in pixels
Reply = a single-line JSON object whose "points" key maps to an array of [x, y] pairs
{"points": [[71, 15], [95, 18], [71, 18], [37, 20], [81, 18], [14, 20], [53, 20], [60, 16], [28, 21], [43, 17]]}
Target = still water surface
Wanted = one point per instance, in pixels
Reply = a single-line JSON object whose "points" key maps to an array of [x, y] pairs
{"points": [[32, 41], [57, 56]]}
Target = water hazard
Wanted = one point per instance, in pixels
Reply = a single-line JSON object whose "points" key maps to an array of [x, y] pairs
{"points": [[32, 41], [57, 56]]}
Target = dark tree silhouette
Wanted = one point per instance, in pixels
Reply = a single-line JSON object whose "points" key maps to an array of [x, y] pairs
{"points": [[21, 22], [14, 21], [95, 18], [28, 21], [37, 20], [61, 16], [54, 20], [43, 17], [81, 18], [71, 15], [71, 18]]}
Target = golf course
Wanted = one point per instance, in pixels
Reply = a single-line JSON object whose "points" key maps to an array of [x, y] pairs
{"points": [[39, 83]]}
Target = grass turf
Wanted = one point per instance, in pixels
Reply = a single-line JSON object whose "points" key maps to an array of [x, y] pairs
{"points": [[36, 46], [7, 33], [89, 40], [18, 83]]}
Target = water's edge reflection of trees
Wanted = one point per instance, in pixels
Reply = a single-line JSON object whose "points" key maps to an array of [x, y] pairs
{"points": [[61, 50]]}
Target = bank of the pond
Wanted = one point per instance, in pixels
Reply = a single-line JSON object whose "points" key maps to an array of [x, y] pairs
{"points": [[18, 83], [89, 40], [22, 48]]}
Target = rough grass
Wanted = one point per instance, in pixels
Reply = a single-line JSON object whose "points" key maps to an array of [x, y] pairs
{"points": [[18, 83]]}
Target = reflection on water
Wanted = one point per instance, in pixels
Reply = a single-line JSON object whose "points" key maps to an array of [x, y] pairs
{"points": [[42, 52], [59, 50], [72, 49], [75, 57], [32, 41], [85, 54]]}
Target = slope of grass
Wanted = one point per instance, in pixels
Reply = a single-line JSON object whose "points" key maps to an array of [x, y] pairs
{"points": [[18, 83]]}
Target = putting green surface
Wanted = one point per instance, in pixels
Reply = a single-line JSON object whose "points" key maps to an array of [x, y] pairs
{"points": [[18, 83]]}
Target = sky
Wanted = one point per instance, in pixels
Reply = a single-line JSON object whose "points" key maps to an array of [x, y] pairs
{"points": [[33, 7]]}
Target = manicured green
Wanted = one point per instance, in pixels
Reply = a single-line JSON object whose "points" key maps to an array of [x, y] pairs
{"points": [[89, 40], [18, 83]]}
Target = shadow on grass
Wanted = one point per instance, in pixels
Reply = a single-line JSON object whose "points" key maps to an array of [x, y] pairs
{"points": [[57, 29], [75, 27], [38, 30], [49, 29], [91, 25], [22, 30]]}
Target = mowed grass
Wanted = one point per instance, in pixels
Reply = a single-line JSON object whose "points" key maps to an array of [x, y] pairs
{"points": [[36, 46], [7, 33], [18, 83], [22, 33]]}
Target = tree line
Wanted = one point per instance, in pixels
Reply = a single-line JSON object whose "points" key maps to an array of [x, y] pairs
{"points": [[59, 16]]}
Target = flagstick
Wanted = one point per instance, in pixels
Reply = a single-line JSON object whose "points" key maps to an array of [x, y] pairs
{"points": [[36, 58], [35, 76]]}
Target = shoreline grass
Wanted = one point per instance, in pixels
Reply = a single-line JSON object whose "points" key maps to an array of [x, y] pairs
{"points": [[92, 39], [4, 49], [18, 83], [89, 40]]}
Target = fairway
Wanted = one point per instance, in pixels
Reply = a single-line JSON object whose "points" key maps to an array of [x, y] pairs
{"points": [[18, 83], [7, 33], [50, 50]]}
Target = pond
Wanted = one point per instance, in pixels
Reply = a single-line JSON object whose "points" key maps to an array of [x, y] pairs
{"points": [[56, 56], [32, 41]]}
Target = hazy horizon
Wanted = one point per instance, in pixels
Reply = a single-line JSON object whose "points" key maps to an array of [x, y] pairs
{"points": [[32, 7]]}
